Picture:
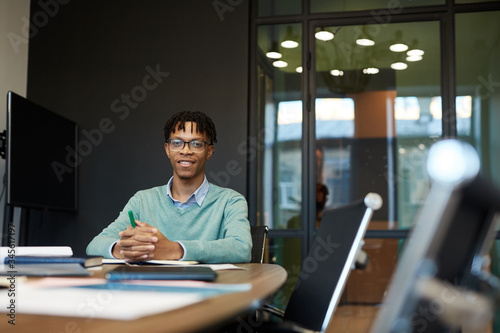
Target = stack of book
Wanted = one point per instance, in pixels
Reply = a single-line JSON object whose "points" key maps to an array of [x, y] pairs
{"points": [[45, 261]]}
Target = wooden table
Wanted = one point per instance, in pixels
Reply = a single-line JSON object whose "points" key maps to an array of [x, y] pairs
{"points": [[205, 315]]}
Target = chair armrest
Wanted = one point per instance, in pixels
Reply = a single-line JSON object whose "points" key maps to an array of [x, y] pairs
{"points": [[284, 327], [277, 327], [273, 310]]}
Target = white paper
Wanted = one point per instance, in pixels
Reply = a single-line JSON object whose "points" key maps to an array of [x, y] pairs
{"points": [[220, 267], [155, 262], [215, 267], [6, 251], [236, 287], [97, 303], [59, 282]]}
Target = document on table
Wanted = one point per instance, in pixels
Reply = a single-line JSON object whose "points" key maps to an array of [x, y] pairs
{"points": [[97, 303], [221, 267], [60, 282], [151, 262], [215, 267], [96, 298], [201, 285]]}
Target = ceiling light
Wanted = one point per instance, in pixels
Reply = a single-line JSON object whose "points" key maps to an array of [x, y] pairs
{"points": [[324, 35], [414, 50], [289, 44], [274, 53], [399, 66], [364, 42], [298, 69], [290, 39], [414, 58], [336, 72], [371, 70], [365, 39], [280, 64], [398, 45]]}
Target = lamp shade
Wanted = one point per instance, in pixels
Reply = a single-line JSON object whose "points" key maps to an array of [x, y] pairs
{"points": [[324, 35], [273, 52]]}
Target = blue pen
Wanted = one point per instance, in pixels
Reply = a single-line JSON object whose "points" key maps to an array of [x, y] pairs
{"points": [[132, 219]]}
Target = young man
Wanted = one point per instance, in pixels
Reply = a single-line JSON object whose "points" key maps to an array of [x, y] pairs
{"points": [[188, 218]]}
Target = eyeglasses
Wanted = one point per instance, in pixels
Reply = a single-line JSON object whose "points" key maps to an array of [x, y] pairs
{"points": [[195, 146]]}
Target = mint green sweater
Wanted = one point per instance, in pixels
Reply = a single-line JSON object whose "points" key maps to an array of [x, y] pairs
{"points": [[218, 231]]}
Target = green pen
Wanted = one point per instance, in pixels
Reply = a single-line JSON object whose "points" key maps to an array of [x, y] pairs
{"points": [[131, 216]]}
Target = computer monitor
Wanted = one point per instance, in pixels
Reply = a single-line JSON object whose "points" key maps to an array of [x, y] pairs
{"points": [[444, 262], [41, 160]]}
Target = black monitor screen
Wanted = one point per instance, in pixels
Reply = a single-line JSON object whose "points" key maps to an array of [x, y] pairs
{"points": [[41, 151]]}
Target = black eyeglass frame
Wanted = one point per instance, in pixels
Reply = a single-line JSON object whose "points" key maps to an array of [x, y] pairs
{"points": [[189, 145]]}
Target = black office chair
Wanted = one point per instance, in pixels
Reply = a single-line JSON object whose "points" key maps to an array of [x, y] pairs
{"points": [[442, 283], [259, 234], [326, 268]]}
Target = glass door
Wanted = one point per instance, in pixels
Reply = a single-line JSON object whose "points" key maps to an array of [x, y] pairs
{"points": [[350, 104], [377, 103]]}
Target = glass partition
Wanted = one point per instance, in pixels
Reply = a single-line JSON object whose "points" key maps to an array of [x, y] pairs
{"points": [[280, 117], [378, 109], [474, 1], [387, 7], [478, 97], [478, 86], [279, 7], [377, 95], [279, 157]]}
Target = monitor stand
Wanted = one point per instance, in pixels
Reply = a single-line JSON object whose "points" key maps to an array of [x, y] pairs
{"points": [[15, 226]]}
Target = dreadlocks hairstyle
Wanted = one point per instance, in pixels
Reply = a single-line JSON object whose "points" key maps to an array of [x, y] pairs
{"points": [[203, 123]]}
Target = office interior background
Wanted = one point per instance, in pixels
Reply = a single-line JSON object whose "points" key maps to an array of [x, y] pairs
{"points": [[330, 116]]}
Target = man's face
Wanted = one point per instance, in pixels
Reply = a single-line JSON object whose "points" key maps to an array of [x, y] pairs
{"points": [[188, 165]]}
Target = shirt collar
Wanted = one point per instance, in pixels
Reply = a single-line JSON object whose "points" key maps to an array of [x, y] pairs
{"points": [[198, 195]]}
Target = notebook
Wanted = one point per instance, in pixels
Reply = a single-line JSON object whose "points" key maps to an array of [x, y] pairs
{"points": [[71, 269], [85, 261], [11, 253], [201, 273]]}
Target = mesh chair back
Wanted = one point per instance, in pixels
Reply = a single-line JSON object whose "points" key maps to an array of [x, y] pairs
{"points": [[447, 248], [327, 266], [259, 234]]}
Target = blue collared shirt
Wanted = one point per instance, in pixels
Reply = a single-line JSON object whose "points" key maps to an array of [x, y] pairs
{"points": [[196, 198]]}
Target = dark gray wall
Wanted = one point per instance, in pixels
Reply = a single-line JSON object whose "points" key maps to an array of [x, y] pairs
{"points": [[85, 57]]}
